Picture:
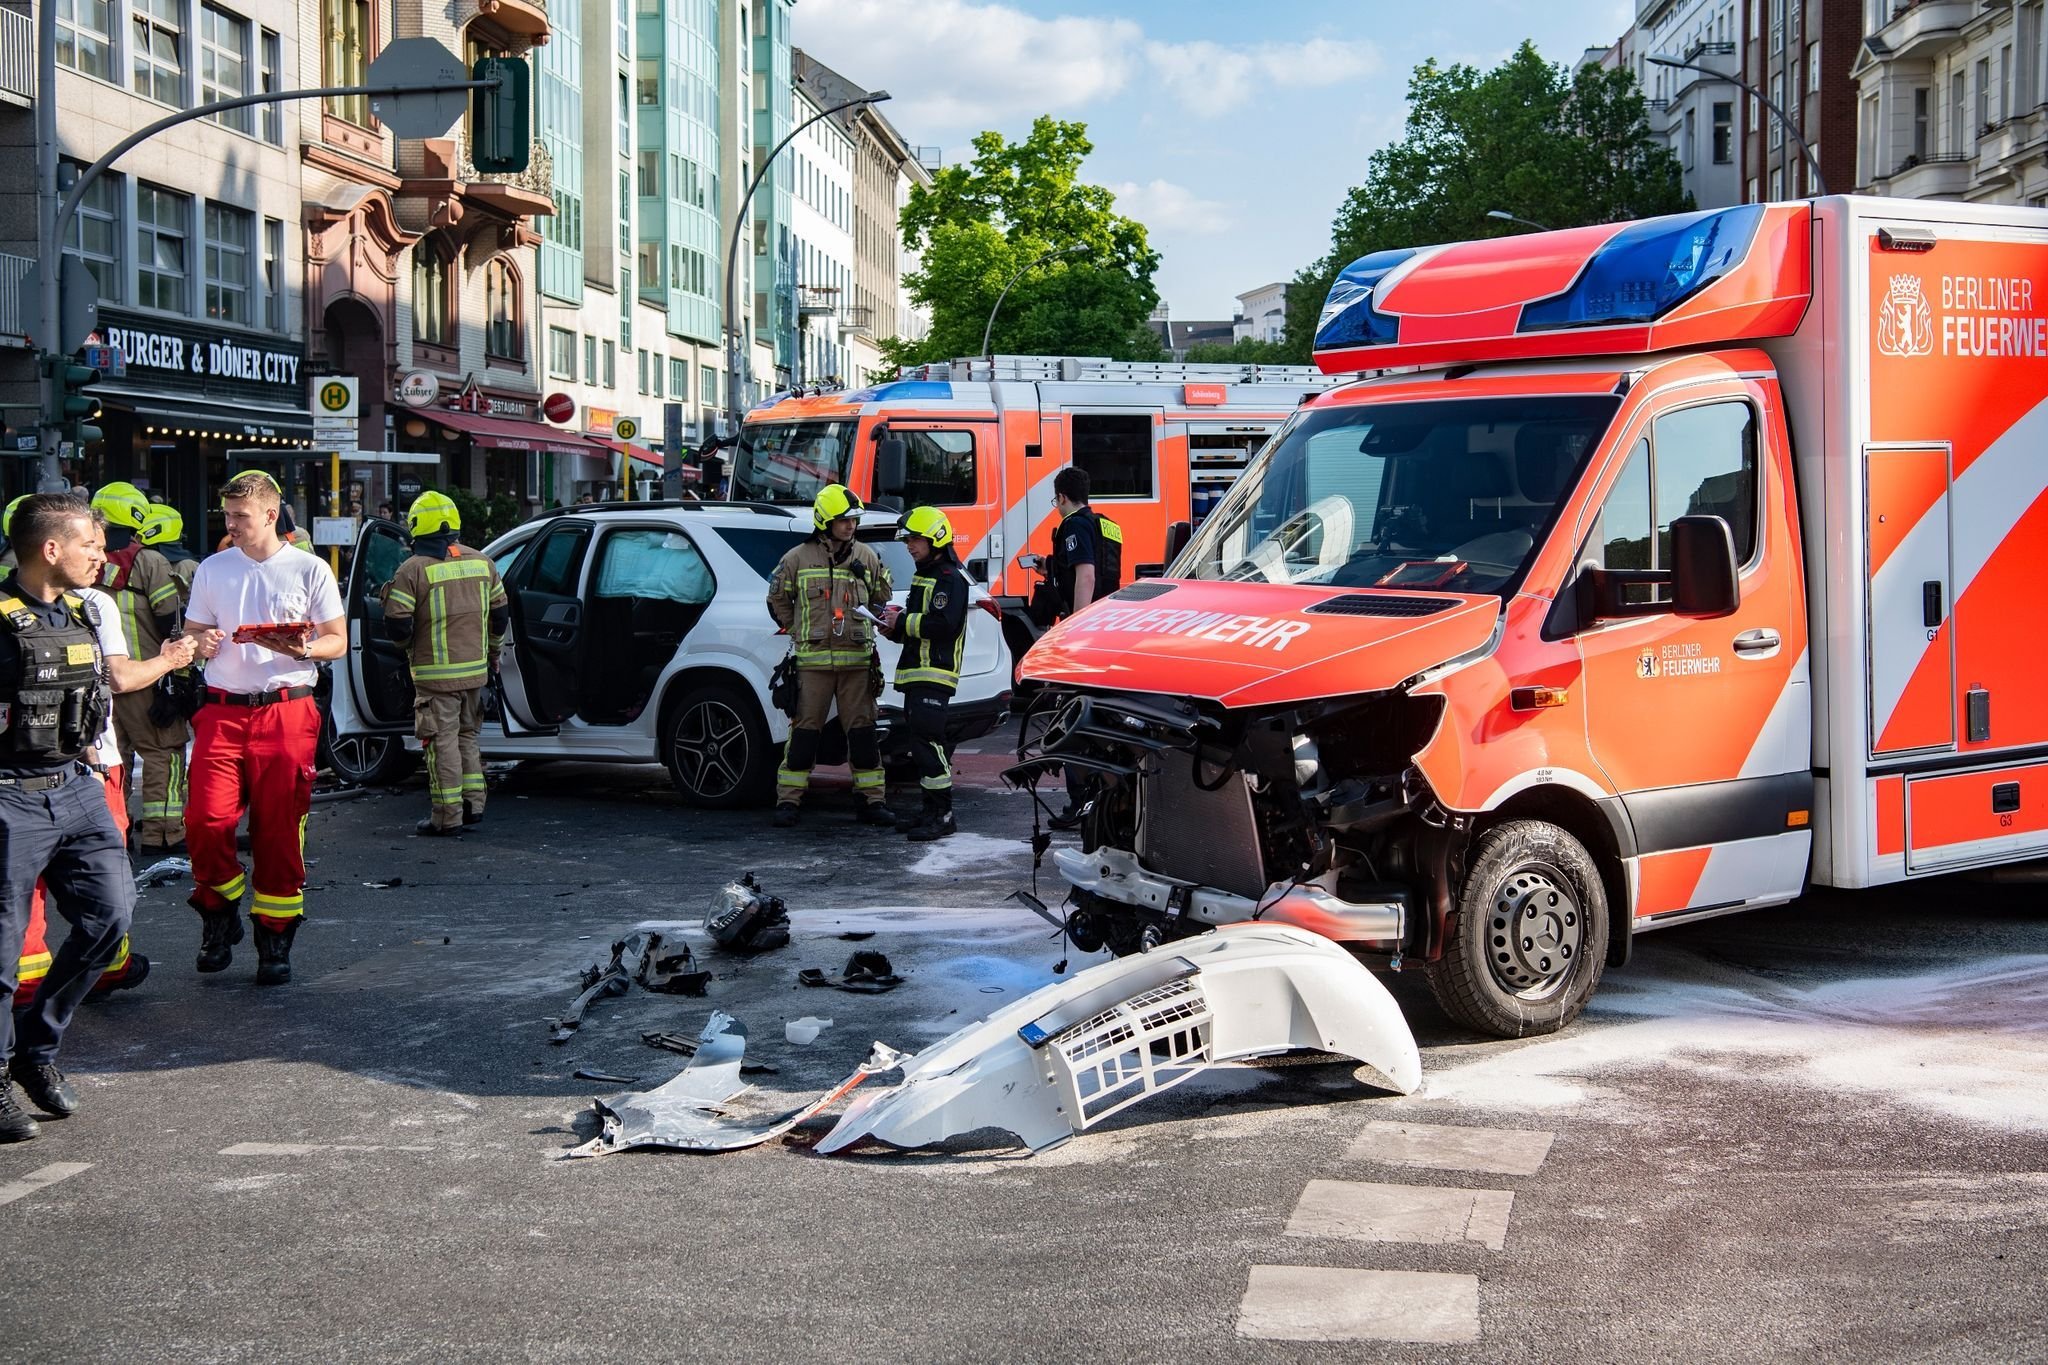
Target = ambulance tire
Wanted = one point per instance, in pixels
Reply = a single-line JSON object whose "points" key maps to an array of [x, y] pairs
{"points": [[1528, 932]]}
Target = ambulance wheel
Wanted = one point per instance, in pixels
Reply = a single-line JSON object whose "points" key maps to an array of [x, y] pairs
{"points": [[1528, 934], [717, 748]]}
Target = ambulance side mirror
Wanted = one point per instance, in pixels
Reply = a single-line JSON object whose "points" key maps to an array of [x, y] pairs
{"points": [[1177, 537], [1703, 583], [892, 467]]}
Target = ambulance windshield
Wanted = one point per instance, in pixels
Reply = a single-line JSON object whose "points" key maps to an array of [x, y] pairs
{"points": [[791, 461], [1453, 494]]}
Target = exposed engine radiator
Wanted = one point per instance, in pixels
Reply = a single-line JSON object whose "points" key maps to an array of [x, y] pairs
{"points": [[1206, 837]]}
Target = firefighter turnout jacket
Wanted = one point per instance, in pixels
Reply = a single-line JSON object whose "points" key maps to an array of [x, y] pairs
{"points": [[815, 593], [148, 593], [934, 625], [447, 603]]}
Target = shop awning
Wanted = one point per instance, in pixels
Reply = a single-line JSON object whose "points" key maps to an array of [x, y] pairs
{"points": [[509, 433], [640, 453], [248, 419]]}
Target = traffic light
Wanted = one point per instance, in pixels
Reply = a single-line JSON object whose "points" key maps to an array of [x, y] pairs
{"points": [[501, 115], [72, 410]]}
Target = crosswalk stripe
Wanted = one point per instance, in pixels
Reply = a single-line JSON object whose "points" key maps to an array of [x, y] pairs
{"points": [[1445, 1147], [1440, 1215], [1326, 1303], [41, 1178]]}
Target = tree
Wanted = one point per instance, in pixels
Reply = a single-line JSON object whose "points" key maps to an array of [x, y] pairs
{"points": [[1086, 282], [1538, 140]]}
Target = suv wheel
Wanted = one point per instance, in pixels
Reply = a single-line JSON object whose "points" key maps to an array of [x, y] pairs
{"points": [[717, 748], [363, 760]]}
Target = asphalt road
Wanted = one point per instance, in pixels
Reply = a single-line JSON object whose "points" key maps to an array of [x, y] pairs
{"points": [[1819, 1132]]}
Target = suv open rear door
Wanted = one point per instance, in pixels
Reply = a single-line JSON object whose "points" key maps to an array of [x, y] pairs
{"points": [[378, 677], [545, 588]]}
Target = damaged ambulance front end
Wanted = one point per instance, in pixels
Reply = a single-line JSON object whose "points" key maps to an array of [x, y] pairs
{"points": [[1263, 735]]}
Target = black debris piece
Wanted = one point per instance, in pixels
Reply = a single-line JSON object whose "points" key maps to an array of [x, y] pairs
{"points": [[867, 973], [858, 935], [588, 1074], [675, 1042], [743, 919]]}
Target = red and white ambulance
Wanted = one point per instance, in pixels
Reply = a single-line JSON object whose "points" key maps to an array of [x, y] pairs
{"points": [[1665, 569], [981, 440]]}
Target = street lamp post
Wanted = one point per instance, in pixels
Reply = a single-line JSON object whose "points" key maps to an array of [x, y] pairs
{"points": [[1507, 217], [732, 254], [1791, 129], [1022, 270]]}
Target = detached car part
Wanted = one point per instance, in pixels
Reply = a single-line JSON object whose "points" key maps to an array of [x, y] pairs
{"points": [[743, 919], [1068, 1056]]}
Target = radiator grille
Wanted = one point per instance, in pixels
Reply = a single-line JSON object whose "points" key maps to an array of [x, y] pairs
{"points": [[1142, 592], [1206, 837], [1367, 604]]}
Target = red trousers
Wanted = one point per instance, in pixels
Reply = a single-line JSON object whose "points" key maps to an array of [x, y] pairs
{"points": [[35, 948], [259, 759]]}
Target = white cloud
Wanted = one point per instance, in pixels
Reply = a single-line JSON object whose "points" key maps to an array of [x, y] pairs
{"points": [[1164, 207], [954, 67], [1214, 78]]}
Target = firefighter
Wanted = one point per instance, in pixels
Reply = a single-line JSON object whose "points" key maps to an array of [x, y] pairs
{"points": [[932, 628], [447, 605], [54, 817], [163, 530], [7, 520], [817, 594], [149, 601], [1086, 566]]}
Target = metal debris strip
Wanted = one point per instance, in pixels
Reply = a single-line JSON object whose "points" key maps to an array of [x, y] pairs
{"points": [[675, 1042], [163, 872], [643, 956], [688, 1113]]}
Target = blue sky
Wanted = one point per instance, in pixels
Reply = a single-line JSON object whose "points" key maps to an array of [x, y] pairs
{"points": [[1232, 130]]}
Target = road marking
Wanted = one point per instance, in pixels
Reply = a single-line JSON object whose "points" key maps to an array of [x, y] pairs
{"points": [[1435, 1214], [41, 1178], [1441, 1147], [309, 1148], [1318, 1303]]}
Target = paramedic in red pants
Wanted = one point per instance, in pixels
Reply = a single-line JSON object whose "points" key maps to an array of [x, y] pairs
{"points": [[254, 738]]}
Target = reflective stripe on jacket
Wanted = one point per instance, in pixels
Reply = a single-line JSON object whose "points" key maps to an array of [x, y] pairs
{"points": [[450, 601], [934, 626], [814, 594]]}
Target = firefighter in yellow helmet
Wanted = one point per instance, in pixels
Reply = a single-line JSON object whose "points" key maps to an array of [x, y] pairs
{"points": [[932, 628], [816, 594], [7, 524], [448, 606], [163, 530], [150, 604]]}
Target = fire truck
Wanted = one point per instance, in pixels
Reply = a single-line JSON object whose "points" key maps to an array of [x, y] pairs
{"points": [[1663, 570], [981, 439]]}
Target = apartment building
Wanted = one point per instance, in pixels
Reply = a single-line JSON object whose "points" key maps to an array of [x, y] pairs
{"points": [[1799, 52], [821, 223], [1690, 111], [1952, 101]]}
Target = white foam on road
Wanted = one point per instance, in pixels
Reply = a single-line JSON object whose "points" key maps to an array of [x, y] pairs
{"points": [[1319, 1303], [1969, 1041], [970, 853], [1436, 1215], [41, 1178]]}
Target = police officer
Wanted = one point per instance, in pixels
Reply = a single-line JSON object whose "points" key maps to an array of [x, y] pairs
{"points": [[932, 628], [816, 594], [150, 602], [54, 687], [1086, 566], [447, 604]]}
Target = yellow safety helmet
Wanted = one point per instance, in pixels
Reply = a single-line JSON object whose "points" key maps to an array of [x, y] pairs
{"points": [[7, 517], [432, 513], [163, 525], [834, 500], [123, 504], [928, 523]]}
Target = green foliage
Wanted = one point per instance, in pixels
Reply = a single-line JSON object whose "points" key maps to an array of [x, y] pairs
{"points": [[1537, 140], [1086, 282], [1243, 351], [484, 519]]}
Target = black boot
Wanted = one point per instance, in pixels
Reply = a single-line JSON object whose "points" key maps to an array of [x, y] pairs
{"points": [[873, 813], [909, 820], [938, 819], [15, 1123], [274, 952], [785, 815], [434, 831], [219, 932], [138, 972]]}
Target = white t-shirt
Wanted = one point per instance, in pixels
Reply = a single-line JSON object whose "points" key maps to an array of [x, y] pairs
{"points": [[233, 590], [113, 641]]}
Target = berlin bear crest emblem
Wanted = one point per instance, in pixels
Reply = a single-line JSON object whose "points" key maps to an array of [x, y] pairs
{"points": [[1905, 322]]}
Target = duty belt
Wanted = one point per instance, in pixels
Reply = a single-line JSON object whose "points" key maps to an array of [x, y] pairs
{"points": [[257, 698], [43, 783]]}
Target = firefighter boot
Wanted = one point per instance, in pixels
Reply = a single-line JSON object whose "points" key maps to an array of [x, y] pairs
{"points": [[873, 813], [219, 932], [938, 819], [274, 950], [909, 820]]}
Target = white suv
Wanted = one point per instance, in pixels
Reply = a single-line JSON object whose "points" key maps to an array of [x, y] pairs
{"points": [[640, 634]]}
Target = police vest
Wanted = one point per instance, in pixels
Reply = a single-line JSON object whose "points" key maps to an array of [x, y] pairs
{"points": [[1109, 558], [60, 696]]}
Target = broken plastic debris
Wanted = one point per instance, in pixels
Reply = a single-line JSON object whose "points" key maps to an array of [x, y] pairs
{"points": [[1067, 1056], [805, 1030], [686, 1114], [744, 920], [641, 956], [589, 1074], [867, 973], [163, 872], [675, 1042], [385, 885]]}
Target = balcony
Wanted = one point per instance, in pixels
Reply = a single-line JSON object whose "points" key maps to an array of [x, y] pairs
{"points": [[13, 315], [1704, 48], [1941, 175], [1918, 28], [516, 194], [815, 301], [857, 319], [527, 19], [17, 58]]}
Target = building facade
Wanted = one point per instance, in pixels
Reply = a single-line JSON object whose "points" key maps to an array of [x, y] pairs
{"points": [[1799, 53], [1952, 101], [1261, 314], [1693, 114], [821, 225]]}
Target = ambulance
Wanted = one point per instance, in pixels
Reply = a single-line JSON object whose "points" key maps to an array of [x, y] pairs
{"points": [[1660, 570], [981, 440]]}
